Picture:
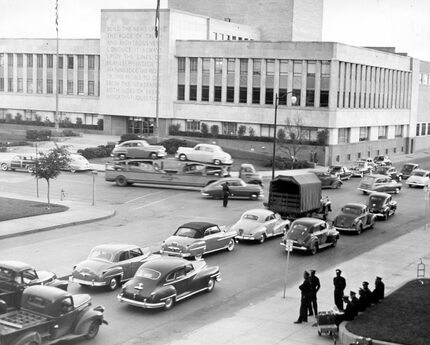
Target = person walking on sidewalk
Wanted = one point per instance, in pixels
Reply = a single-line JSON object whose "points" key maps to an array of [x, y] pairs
{"points": [[339, 283], [225, 194], [315, 286], [305, 290]]}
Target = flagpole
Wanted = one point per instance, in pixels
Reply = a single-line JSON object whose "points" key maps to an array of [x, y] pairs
{"points": [[57, 126], [157, 97]]}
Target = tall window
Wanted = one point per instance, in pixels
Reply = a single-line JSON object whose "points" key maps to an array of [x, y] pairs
{"points": [[283, 81], [256, 77], [423, 129], [243, 88], [297, 81], [10, 60], [218, 66], [91, 62], [181, 92], [243, 94], [10, 84], [1, 84], [29, 85], [90, 88], [49, 86], [80, 87], [70, 62], [19, 85], [19, 60], [70, 87], [39, 60], [193, 64], [364, 133], [230, 94], [325, 83], [205, 93], [193, 92], [30, 60], [310, 84], [60, 86], [343, 135], [39, 86], [382, 132], [60, 62], [80, 62], [217, 93], [50, 60], [270, 73], [205, 79], [243, 67], [417, 133]]}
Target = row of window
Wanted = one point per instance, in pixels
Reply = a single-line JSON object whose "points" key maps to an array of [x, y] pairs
{"points": [[424, 79], [49, 60], [423, 129], [353, 157], [49, 86], [344, 134], [222, 37]]}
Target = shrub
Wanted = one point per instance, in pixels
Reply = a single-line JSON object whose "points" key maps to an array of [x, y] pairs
{"points": [[241, 131], [129, 136], [33, 134], [282, 163], [79, 122], [18, 118], [214, 130], [8, 117], [69, 133], [97, 152], [204, 129], [100, 124], [174, 129], [281, 135], [251, 131], [172, 144], [322, 137]]}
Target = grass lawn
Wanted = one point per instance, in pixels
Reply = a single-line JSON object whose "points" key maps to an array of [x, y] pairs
{"points": [[402, 318], [17, 208]]}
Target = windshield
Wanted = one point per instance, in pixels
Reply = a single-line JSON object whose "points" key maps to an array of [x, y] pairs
{"points": [[148, 273], [296, 228], [419, 173], [187, 232], [376, 200], [101, 254], [6, 274], [407, 168], [352, 210]]}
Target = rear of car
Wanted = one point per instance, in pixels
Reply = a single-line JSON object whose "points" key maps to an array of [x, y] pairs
{"points": [[419, 178]]}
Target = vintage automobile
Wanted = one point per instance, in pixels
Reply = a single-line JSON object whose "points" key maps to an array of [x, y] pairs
{"points": [[78, 163], [354, 217], [138, 149], [382, 205], [382, 160], [49, 315], [328, 180], [15, 276], [163, 172], [162, 282], [206, 153], [388, 170], [194, 239], [310, 235], [238, 189], [24, 162], [361, 168], [379, 183], [109, 265], [407, 170], [419, 178], [248, 173], [341, 171], [259, 224]]}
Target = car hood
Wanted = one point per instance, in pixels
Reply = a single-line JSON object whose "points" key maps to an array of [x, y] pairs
{"points": [[344, 219], [140, 286], [45, 276], [93, 266], [417, 179], [248, 227]]}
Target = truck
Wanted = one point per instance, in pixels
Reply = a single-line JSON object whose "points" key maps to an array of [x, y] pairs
{"points": [[49, 315], [296, 195], [15, 276]]}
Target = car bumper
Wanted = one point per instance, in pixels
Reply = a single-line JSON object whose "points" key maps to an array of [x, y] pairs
{"points": [[416, 184], [338, 228], [248, 237], [365, 190], [177, 254], [87, 282], [141, 304], [296, 247]]}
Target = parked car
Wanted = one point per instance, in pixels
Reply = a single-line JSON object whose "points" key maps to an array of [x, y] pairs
{"points": [[407, 170], [361, 168], [162, 282], [310, 235], [15, 276], [110, 265], [328, 180], [238, 189], [388, 170], [50, 315], [23, 162], [354, 217], [382, 160], [382, 205], [206, 153], [419, 178], [259, 224], [341, 171], [78, 163], [379, 183], [138, 149], [248, 173], [194, 239]]}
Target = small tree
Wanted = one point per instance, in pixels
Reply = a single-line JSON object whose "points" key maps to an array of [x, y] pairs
{"points": [[251, 131], [296, 136], [204, 129], [241, 131], [49, 165], [214, 130]]}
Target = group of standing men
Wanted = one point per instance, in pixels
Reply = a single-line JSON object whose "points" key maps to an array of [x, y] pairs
{"points": [[348, 306]]}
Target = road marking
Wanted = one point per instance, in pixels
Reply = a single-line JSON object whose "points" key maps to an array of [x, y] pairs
{"points": [[156, 202], [140, 197]]}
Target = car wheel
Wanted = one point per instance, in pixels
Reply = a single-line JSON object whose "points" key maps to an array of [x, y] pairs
{"points": [[334, 243], [4, 166], [359, 228], [198, 257], [386, 216], [262, 239], [122, 156], [121, 181], [314, 249], [182, 157], [211, 285], [30, 169], [168, 303], [254, 196], [153, 155], [336, 185], [231, 245], [93, 330], [217, 162], [113, 284], [397, 191], [72, 170]]}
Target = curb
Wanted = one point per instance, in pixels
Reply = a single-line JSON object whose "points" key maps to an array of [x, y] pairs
{"points": [[58, 226]]}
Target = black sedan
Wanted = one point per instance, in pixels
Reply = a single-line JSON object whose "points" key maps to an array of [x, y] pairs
{"points": [[382, 205], [238, 189], [354, 217], [328, 180], [161, 283]]}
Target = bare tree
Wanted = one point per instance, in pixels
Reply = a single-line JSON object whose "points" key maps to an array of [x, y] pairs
{"points": [[49, 165], [293, 137]]}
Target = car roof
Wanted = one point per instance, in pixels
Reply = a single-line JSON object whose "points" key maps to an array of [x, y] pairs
{"points": [[17, 266], [354, 204], [308, 221], [116, 247], [382, 194], [198, 226], [134, 141], [411, 164], [208, 145], [260, 212], [46, 292], [375, 176], [165, 264]]}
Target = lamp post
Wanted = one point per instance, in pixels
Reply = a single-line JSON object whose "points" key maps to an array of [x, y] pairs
{"points": [[274, 128], [37, 178], [94, 173]]}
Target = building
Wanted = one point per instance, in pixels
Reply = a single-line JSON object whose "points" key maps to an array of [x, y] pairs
{"points": [[220, 66]]}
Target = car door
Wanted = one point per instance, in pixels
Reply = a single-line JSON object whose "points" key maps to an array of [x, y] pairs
{"points": [[270, 223], [178, 278], [124, 263], [213, 238], [66, 317], [320, 231], [136, 259], [237, 188], [15, 162], [197, 154], [207, 154]]}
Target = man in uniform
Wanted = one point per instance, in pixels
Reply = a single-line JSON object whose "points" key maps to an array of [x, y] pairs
{"points": [[305, 290], [339, 283], [315, 286], [379, 291], [225, 194]]}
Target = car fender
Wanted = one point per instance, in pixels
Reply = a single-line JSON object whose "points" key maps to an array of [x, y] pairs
{"points": [[86, 317], [113, 272], [164, 292], [61, 284], [29, 338], [198, 247]]}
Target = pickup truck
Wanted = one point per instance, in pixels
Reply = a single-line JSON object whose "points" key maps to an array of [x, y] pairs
{"points": [[15, 276], [49, 315]]}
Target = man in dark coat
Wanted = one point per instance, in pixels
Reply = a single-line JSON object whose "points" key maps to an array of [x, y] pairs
{"points": [[363, 300], [225, 194], [348, 314], [315, 286], [353, 302], [367, 292], [378, 293], [339, 283], [305, 290]]}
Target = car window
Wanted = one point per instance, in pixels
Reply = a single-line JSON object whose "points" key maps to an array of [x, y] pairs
{"points": [[66, 305], [148, 273], [124, 256], [180, 273], [189, 268], [187, 232], [323, 226], [134, 253], [250, 216], [198, 148], [28, 276]]}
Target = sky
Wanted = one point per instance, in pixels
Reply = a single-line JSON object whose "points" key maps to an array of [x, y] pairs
{"points": [[403, 24]]}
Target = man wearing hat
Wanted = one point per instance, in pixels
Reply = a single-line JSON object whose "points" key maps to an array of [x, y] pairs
{"points": [[339, 283], [305, 289], [315, 286], [367, 292], [379, 292], [348, 314], [354, 302]]}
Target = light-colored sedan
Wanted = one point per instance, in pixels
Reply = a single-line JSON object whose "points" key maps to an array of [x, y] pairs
{"points": [[206, 153], [419, 178], [78, 163], [259, 224], [138, 149]]}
